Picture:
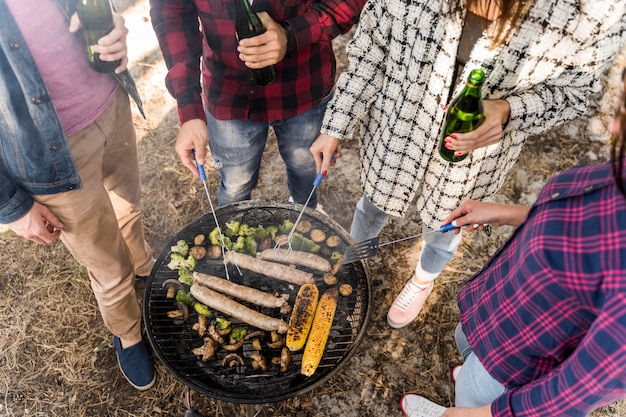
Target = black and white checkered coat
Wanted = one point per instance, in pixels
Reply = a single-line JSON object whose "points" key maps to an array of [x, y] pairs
{"points": [[401, 67]]}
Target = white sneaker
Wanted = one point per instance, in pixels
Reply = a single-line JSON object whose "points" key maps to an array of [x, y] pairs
{"points": [[408, 304], [414, 405]]}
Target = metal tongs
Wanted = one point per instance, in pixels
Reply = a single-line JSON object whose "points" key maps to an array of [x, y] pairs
{"points": [[287, 241], [219, 229]]}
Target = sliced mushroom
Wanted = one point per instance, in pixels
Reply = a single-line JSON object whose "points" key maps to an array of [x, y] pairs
{"points": [[317, 235], [256, 344], [256, 333], [198, 252], [285, 359], [232, 359], [304, 226], [215, 335], [225, 331], [207, 350], [330, 279], [231, 347], [201, 325], [199, 239], [260, 360], [214, 252], [277, 341]]}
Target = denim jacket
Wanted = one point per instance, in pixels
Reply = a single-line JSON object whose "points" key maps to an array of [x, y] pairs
{"points": [[34, 154]]}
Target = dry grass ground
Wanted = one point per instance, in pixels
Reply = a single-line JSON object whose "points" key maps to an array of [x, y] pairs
{"points": [[57, 358]]}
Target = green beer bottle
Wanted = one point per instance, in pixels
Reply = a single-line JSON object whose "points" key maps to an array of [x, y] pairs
{"points": [[248, 25], [465, 113], [96, 20]]}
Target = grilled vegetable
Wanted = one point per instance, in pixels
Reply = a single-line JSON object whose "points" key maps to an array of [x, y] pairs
{"points": [[302, 316], [320, 330]]}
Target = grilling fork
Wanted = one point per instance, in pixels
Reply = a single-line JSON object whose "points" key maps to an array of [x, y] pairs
{"points": [[369, 248], [208, 196], [280, 242]]}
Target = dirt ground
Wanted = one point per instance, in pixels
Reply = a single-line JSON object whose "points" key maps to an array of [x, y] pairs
{"points": [[57, 358]]}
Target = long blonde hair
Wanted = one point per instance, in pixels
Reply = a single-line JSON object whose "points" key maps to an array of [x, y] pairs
{"points": [[508, 15]]}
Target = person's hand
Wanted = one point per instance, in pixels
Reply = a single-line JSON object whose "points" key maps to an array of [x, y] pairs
{"points": [[497, 113], [326, 149], [38, 225], [112, 46], [479, 214], [266, 49], [192, 136]]}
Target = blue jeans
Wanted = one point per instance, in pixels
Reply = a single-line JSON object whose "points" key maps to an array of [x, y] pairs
{"points": [[474, 385], [237, 148], [438, 248]]}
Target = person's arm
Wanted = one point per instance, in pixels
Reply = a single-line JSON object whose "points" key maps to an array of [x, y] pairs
{"points": [[563, 96], [175, 23], [478, 213], [358, 86], [325, 20], [590, 377]]}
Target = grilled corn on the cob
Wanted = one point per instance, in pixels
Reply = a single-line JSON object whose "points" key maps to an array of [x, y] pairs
{"points": [[322, 322], [302, 317]]}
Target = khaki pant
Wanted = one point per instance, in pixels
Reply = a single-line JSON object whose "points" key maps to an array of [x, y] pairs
{"points": [[102, 221]]}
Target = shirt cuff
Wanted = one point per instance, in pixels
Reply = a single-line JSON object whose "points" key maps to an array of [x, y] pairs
{"points": [[291, 36]]}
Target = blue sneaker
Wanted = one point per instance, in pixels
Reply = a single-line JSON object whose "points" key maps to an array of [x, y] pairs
{"points": [[135, 364]]}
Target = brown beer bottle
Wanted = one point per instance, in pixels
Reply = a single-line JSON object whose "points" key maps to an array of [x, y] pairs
{"points": [[96, 20], [247, 25], [465, 113]]}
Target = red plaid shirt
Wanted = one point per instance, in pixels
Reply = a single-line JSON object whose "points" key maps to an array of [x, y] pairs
{"points": [[303, 77]]}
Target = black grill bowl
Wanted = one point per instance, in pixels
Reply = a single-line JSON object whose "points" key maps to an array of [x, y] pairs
{"points": [[173, 342]]}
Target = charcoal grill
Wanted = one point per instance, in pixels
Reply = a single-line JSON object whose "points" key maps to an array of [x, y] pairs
{"points": [[173, 342]]}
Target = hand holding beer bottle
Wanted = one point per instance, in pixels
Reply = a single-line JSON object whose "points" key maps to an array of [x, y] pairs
{"points": [[96, 19], [465, 114]]}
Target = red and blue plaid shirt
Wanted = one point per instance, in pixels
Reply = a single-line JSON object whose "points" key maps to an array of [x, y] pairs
{"points": [[303, 77], [547, 315]]}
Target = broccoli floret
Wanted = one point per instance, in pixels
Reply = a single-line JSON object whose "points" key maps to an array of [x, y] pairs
{"points": [[222, 323], [246, 230], [202, 309], [272, 230], [239, 244], [250, 245], [285, 226], [232, 228], [185, 276], [260, 232], [214, 237], [181, 248], [184, 297], [299, 242], [239, 333], [178, 261]]}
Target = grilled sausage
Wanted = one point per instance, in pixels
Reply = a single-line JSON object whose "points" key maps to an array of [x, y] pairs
{"points": [[232, 308], [270, 269], [306, 259], [242, 292]]}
